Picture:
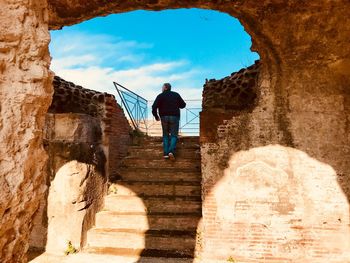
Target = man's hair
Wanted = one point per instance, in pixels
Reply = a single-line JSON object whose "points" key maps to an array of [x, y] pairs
{"points": [[167, 86]]}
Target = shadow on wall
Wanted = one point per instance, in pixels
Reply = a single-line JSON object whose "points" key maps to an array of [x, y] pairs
{"points": [[167, 195], [76, 179], [271, 202], [276, 202], [275, 172], [75, 196], [83, 130]]}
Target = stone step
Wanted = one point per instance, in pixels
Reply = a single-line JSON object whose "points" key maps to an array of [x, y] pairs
{"points": [[159, 146], [134, 204], [155, 206], [130, 239], [159, 175], [181, 139], [146, 188], [146, 255], [107, 255], [146, 153], [144, 221], [161, 163]]}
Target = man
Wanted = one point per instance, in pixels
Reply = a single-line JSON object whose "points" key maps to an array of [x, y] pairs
{"points": [[168, 103]]}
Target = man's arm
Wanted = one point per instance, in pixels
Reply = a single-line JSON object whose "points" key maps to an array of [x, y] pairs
{"points": [[182, 103], [155, 109]]}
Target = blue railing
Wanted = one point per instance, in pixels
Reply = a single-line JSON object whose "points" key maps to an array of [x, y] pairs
{"points": [[189, 122], [135, 106], [138, 109]]}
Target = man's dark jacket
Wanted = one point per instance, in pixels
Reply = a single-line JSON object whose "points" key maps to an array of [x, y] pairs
{"points": [[169, 103]]}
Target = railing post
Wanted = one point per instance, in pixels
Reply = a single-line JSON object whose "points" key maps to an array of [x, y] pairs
{"points": [[138, 111]]}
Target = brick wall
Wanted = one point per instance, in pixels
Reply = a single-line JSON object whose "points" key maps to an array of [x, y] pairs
{"points": [[76, 178], [117, 132], [71, 103], [275, 176], [72, 98], [227, 97]]}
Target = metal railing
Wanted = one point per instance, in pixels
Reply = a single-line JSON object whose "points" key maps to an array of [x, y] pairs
{"points": [[138, 109], [189, 123], [135, 106], [189, 120]]}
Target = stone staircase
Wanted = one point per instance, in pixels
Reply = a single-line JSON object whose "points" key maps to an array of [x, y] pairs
{"points": [[154, 205]]}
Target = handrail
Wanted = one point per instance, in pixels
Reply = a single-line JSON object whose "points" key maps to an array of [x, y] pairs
{"points": [[137, 110], [116, 83], [136, 106], [189, 121]]}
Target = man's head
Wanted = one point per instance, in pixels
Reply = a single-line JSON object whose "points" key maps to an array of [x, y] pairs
{"points": [[166, 87]]}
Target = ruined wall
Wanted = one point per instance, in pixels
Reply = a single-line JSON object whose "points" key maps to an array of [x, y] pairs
{"points": [[77, 178], [226, 97], [74, 145], [25, 95], [270, 193], [69, 97], [303, 45], [117, 131], [81, 125], [236, 92]]}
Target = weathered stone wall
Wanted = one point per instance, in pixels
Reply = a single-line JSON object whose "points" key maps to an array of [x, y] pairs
{"points": [[117, 132], [304, 98], [267, 196], [25, 95], [236, 92], [77, 178], [81, 125], [71, 98], [76, 181], [226, 97]]}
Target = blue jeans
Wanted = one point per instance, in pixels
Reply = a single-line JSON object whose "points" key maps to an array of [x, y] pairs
{"points": [[170, 126]]}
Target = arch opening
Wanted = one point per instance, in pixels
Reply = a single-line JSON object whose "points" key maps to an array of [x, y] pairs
{"points": [[305, 95], [89, 60], [183, 46]]}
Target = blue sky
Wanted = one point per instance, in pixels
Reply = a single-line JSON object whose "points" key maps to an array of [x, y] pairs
{"points": [[143, 49]]}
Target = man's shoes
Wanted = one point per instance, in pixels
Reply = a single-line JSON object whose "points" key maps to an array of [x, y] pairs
{"points": [[166, 156], [172, 156]]}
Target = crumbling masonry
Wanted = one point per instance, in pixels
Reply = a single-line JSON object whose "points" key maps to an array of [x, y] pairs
{"points": [[275, 175]]}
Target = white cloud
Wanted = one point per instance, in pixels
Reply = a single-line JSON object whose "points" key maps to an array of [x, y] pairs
{"points": [[146, 80], [72, 61], [95, 61], [105, 49]]}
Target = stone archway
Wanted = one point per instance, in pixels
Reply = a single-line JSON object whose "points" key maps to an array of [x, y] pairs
{"points": [[305, 53]]}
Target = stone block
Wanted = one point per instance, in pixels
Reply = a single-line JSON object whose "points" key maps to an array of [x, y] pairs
{"points": [[75, 195], [70, 127]]}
